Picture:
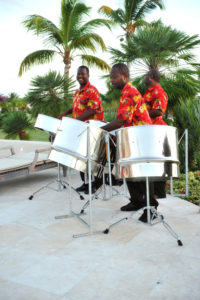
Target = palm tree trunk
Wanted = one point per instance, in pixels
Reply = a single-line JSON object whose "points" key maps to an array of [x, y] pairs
{"points": [[22, 134], [127, 38], [66, 70], [67, 63]]}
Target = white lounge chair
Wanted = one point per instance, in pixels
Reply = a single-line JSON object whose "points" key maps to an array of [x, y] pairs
{"points": [[23, 164]]}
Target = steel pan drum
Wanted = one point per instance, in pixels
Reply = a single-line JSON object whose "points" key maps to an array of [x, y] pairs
{"points": [[100, 124], [48, 124], [71, 140], [73, 162], [149, 150]]}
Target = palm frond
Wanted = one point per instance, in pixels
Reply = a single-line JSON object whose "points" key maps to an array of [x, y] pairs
{"points": [[50, 93], [14, 122], [72, 13], [159, 45], [42, 26], [106, 10], [146, 7], [95, 23], [118, 56], [139, 23], [35, 58], [93, 61], [88, 41], [117, 16]]}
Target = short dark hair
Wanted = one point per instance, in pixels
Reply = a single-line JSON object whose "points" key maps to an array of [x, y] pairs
{"points": [[123, 69], [155, 74], [84, 67]]}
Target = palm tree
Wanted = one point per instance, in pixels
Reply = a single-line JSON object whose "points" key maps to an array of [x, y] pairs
{"points": [[133, 14], [48, 94], [15, 123], [73, 37], [156, 46]]}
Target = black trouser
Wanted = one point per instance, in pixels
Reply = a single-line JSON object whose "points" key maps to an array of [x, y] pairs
{"points": [[159, 189], [98, 181], [137, 192], [82, 176]]}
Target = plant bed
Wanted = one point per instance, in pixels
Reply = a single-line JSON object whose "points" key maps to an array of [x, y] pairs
{"points": [[194, 187]]}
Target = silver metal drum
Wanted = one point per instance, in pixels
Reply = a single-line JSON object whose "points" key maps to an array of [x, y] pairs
{"points": [[48, 124], [71, 140], [149, 150], [73, 162]]}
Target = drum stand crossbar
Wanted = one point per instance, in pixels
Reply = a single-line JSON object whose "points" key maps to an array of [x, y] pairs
{"points": [[153, 217]]}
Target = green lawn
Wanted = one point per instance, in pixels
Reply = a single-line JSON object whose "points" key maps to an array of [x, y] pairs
{"points": [[35, 135]]}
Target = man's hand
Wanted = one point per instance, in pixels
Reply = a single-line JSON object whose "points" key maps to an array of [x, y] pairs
{"points": [[87, 115], [61, 116], [68, 112], [115, 124], [155, 113]]}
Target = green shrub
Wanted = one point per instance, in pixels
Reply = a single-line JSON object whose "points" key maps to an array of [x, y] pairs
{"points": [[15, 123], [194, 186]]}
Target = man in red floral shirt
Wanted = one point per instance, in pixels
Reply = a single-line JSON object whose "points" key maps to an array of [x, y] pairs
{"points": [[132, 112], [86, 105], [155, 97]]}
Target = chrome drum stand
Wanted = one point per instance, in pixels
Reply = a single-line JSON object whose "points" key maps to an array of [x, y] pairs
{"points": [[148, 152], [153, 217]]}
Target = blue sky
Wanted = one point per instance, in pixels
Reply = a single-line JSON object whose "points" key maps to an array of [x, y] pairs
{"points": [[16, 42]]}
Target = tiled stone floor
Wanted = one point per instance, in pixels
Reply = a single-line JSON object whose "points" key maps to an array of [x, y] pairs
{"points": [[40, 259]]}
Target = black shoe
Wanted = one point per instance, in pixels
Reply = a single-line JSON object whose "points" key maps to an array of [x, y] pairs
{"points": [[82, 188], [130, 207], [153, 202], [143, 218], [87, 190], [96, 184], [114, 180]]}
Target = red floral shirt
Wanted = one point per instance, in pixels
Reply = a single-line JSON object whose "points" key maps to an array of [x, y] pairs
{"points": [[131, 108], [156, 98], [87, 98]]}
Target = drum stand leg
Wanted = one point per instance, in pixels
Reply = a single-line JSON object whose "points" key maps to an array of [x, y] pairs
{"points": [[90, 225], [60, 183], [152, 214], [155, 214], [71, 212]]}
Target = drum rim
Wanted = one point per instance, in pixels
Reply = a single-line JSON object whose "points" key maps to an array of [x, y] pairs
{"points": [[87, 124], [136, 126], [50, 117]]}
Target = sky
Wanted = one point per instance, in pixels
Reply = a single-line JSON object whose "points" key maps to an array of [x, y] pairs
{"points": [[17, 43]]}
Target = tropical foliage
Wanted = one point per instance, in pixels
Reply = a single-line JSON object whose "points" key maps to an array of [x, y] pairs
{"points": [[132, 15], [73, 37], [144, 46], [15, 123], [194, 187], [157, 46], [187, 115], [49, 93]]}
